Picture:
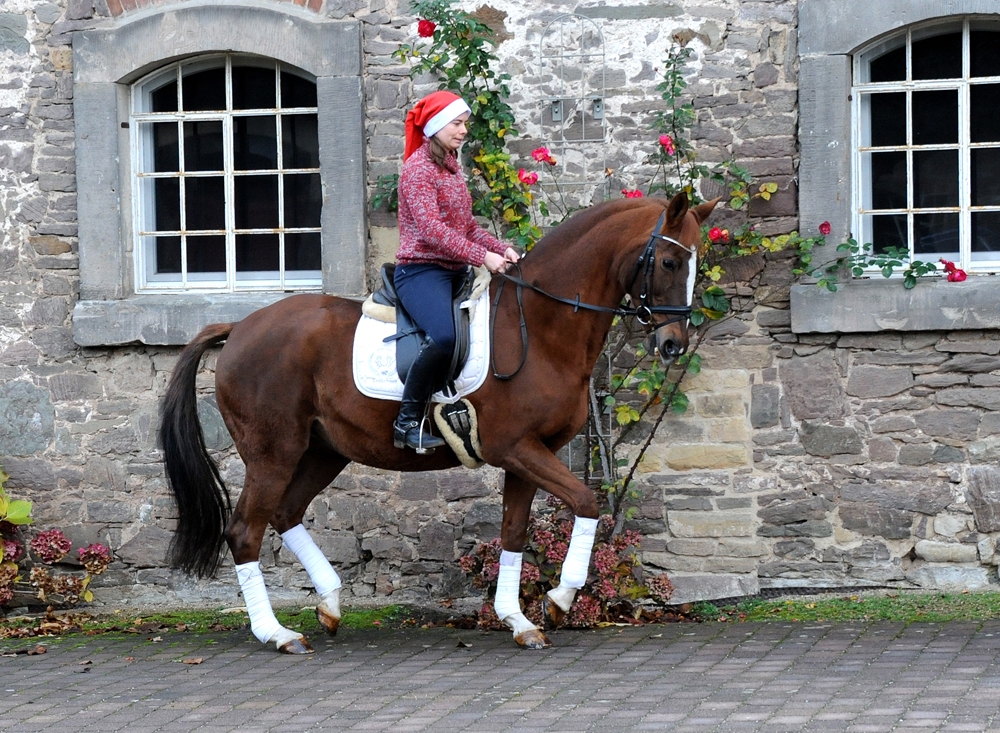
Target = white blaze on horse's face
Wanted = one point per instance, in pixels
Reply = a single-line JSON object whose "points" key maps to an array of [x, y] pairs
{"points": [[692, 275]]}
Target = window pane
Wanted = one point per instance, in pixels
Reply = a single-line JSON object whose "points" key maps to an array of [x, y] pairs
{"points": [[937, 57], [167, 255], [984, 53], [204, 90], [935, 234], [986, 231], [167, 193], [205, 203], [985, 119], [207, 254], [296, 91], [985, 176], [935, 178], [302, 251], [303, 200], [255, 143], [256, 202], [257, 253], [253, 87], [203, 148], [889, 66], [159, 144], [164, 99], [888, 180], [889, 231], [888, 119], [935, 117], [299, 141]]}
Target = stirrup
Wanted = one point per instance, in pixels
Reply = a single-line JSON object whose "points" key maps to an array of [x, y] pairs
{"points": [[426, 442]]}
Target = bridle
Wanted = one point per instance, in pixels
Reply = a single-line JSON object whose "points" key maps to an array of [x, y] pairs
{"points": [[643, 312]]}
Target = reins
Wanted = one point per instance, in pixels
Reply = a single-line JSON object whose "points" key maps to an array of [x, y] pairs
{"points": [[643, 312]]}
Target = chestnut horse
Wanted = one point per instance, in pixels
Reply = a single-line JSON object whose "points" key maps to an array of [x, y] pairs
{"points": [[285, 389]]}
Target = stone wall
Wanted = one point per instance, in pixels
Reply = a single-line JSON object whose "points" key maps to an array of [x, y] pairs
{"points": [[804, 460]]}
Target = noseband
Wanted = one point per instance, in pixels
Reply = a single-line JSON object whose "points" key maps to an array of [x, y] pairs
{"points": [[643, 312]]}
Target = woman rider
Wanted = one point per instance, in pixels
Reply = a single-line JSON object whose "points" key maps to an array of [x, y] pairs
{"points": [[438, 240]]}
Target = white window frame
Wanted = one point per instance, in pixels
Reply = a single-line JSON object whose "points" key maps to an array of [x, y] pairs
{"points": [[861, 184], [145, 280]]}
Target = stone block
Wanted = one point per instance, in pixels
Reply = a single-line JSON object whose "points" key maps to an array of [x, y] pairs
{"points": [[462, 484], [983, 494], [893, 424], [812, 387], [721, 405], [946, 551], [875, 521], [765, 406], [26, 419], [868, 382], [368, 516], [696, 548], [340, 548], [147, 549], [986, 398], [708, 456], [483, 520], [929, 499], [794, 549], [734, 547], [387, 548], [437, 542], [765, 75], [791, 512], [985, 451], [420, 486], [830, 440], [949, 577], [214, 429], [809, 528], [975, 363], [710, 524], [689, 588], [987, 550], [916, 454]]}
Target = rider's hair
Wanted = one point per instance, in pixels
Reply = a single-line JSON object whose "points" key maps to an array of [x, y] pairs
{"points": [[438, 152]]}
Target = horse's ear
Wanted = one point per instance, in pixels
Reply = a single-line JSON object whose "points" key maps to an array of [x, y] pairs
{"points": [[676, 210], [703, 211]]}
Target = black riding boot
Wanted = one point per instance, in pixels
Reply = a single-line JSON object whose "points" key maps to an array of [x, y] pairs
{"points": [[425, 374]]}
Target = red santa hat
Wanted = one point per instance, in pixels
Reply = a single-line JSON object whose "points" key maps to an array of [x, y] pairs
{"points": [[429, 116]]}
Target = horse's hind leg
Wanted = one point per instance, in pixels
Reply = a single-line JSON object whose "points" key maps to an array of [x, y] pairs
{"points": [[316, 470], [265, 483]]}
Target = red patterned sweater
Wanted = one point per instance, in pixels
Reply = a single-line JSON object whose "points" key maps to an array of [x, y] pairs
{"points": [[436, 225]]}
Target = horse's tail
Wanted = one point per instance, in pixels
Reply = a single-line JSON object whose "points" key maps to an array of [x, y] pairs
{"points": [[203, 504]]}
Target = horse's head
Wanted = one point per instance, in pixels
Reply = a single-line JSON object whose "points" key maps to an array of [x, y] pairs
{"points": [[666, 273]]}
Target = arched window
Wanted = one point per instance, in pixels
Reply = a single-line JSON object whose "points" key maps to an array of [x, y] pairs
{"points": [[927, 143], [227, 177]]}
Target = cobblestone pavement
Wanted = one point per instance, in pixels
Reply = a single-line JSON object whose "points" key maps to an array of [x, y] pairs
{"points": [[684, 677]]}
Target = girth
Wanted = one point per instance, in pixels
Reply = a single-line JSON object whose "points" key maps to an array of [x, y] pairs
{"points": [[408, 336]]}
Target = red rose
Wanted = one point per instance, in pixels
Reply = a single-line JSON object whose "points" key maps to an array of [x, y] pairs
{"points": [[425, 28], [636, 194], [957, 276], [715, 234], [824, 228], [527, 178]]}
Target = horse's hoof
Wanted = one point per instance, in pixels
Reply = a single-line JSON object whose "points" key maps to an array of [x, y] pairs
{"points": [[553, 614], [296, 646], [328, 621], [532, 639]]}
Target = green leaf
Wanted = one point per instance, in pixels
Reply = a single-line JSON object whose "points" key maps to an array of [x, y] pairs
{"points": [[19, 512], [609, 401]]}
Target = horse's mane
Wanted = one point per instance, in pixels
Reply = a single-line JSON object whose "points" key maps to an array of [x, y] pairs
{"points": [[581, 222]]}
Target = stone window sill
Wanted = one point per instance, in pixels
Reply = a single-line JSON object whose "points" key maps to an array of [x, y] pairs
{"points": [[870, 306], [162, 320]]}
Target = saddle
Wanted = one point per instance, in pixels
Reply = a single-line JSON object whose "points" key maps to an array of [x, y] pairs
{"points": [[408, 336]]}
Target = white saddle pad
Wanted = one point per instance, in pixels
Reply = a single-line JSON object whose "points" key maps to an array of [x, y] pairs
{"points": [[375, 360]]}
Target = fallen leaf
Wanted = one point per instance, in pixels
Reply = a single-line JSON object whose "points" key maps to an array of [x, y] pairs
{"points": [[196, 660], [154, 639], [463, 645], [85, 663], [656, 636], [37, 650], [129, 659]]}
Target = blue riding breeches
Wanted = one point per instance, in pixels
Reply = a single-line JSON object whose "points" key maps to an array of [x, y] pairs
{"points": [[426, 293]]}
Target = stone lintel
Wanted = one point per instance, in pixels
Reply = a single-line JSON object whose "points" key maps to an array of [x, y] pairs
{"points": [[868, 306], [692, 588]]}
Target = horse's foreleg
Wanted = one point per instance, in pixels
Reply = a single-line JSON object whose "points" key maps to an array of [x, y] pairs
{"points": [[517, 496], [534, 460], [321, 573]]}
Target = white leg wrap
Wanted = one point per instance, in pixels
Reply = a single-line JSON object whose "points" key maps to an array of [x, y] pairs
{"points": [[263, 623], [577, 562], [519, 623], [321, 572], [507, 601], [331, 603], [563, 596]]}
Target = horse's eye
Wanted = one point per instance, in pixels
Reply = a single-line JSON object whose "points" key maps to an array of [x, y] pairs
{"points": [[669, 265]]}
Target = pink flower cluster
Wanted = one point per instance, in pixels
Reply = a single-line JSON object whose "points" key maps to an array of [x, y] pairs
{"points": [[660, 588], [95, 558], [634, 194], [526, 178], [542, 155], [12, 550], [718, 235], [955, 275], [51, 546], [667, 143]]}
